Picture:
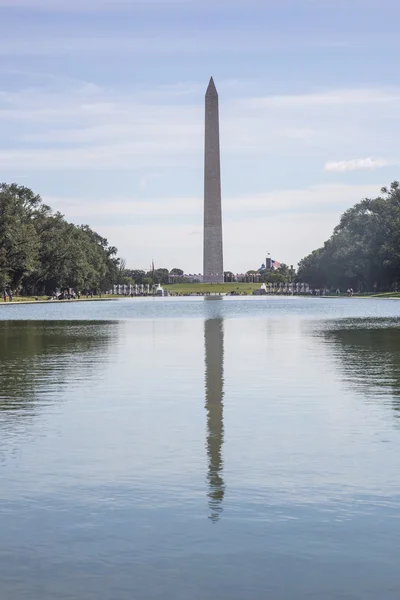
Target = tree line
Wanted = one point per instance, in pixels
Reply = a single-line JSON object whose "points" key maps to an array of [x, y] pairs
{"points": [[152, 277], [40, 251], [363, 252], [283, 274]]}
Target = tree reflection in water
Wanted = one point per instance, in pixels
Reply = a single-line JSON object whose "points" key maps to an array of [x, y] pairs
{"points": [[369, 354], [38, 357]]}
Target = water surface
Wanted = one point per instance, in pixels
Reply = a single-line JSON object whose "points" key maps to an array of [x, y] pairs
{"points": [[191, 448]]}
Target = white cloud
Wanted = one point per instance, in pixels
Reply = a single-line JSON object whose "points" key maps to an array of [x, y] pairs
{"points": [[161, 42], [156, 209], [335, 97], [70, 125], [359, 163], [152, 44], [133, 156], [336, 196]]}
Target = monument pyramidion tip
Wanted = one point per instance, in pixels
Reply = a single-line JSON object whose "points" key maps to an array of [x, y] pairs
{"points": [[211, 90]]}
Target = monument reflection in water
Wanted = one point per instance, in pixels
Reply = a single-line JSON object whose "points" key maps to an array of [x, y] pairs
{"points": [[214, 388]]}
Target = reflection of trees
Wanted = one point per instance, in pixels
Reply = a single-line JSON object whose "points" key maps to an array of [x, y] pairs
{"points": [[38, 356], [370, 358], [214, 367]]}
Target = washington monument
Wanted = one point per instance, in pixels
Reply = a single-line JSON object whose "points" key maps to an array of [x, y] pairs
{"points": [[213, 267]]}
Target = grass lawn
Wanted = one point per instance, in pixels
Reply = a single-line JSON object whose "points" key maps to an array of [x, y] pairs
{"points": [[17, 299], [192, 288], [386, 295], [213, 288], [23, 299]]}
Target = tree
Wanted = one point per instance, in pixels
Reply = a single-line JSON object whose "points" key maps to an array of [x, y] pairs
{"points": [[19, 242], [159, 276], [229, 277], [270, 276], [310, 269], [364, 249], [136, 275], [40, 251], [284, 270]]}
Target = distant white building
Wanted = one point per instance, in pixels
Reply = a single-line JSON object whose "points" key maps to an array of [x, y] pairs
{"points": [[191, 278], [194, 277]]}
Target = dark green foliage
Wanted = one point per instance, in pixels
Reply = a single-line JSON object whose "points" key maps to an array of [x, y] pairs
{"points": [[364, 249], [40, 251], [229, 277], [136, 275], [151, 277], [283, 274], [159, 276]]}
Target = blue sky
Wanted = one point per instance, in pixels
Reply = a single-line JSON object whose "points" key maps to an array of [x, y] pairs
{"points": [[101, 112]]}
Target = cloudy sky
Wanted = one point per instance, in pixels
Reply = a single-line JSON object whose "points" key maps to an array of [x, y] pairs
{"points": [[101, 112]]}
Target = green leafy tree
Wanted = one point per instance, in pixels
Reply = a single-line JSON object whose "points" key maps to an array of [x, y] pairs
{"points": [[136, 275], [19, 242], [40, 251], [159, 276], [229, 277], [364, 249]]}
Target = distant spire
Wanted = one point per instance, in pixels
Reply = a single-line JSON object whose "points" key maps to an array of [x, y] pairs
{"points": [[211, 90]]}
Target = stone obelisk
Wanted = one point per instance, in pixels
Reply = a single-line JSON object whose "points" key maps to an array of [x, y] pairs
{"points": [[213, 267]]}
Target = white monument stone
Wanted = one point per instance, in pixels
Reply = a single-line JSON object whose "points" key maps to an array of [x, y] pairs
{"points": [[213, 268]]}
